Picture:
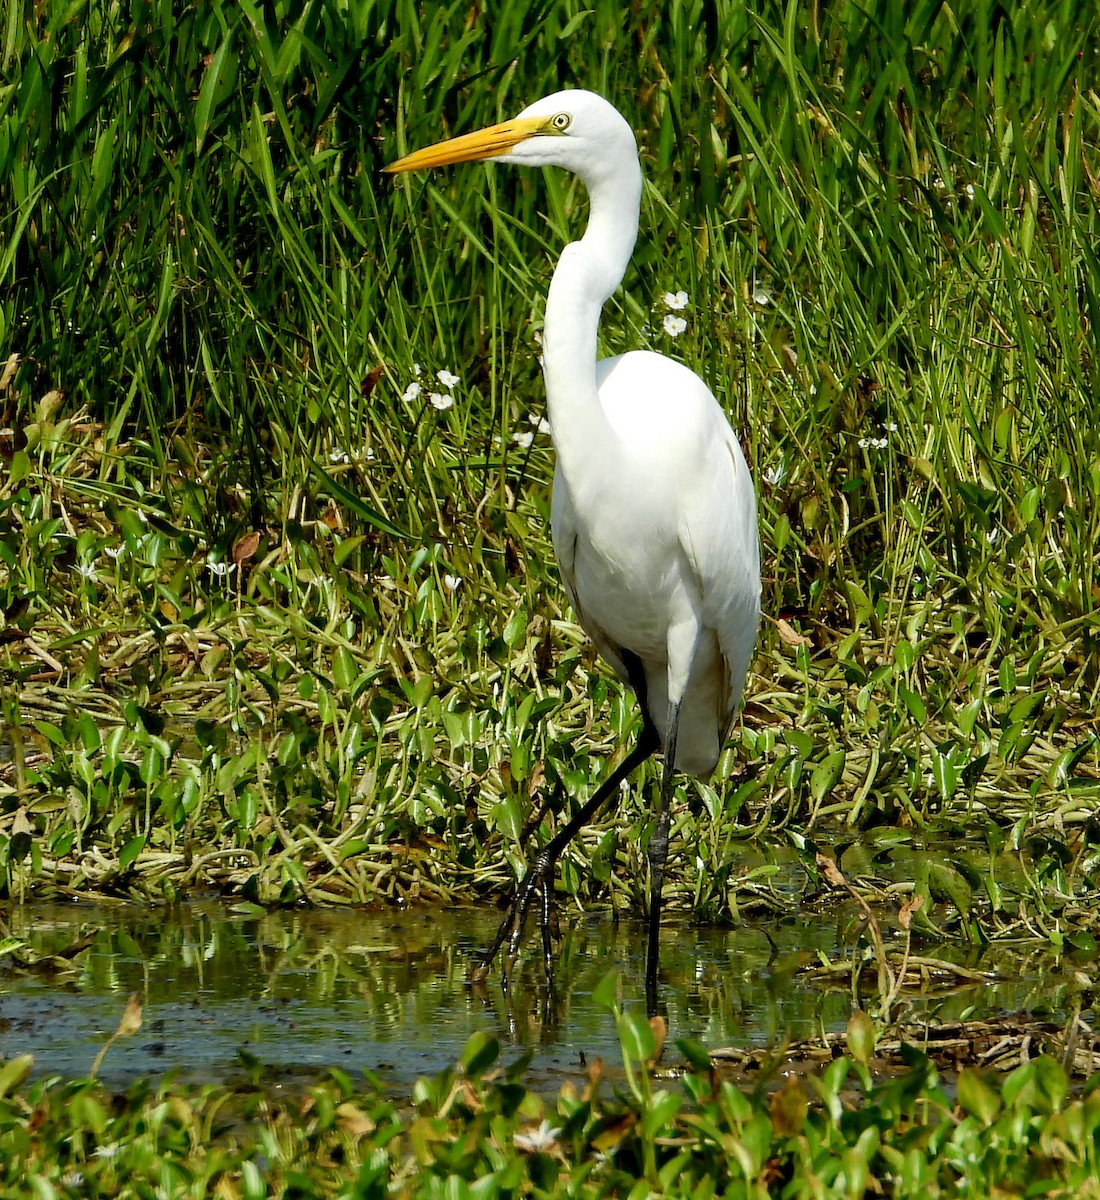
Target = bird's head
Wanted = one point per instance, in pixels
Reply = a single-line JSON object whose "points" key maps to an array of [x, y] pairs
{"points": [[577, 130]]}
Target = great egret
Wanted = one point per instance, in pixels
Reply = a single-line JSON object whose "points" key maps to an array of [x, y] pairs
{"points": [[653, 510]]}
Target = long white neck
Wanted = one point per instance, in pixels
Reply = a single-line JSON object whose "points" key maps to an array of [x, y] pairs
{"points": [[587, 273]]}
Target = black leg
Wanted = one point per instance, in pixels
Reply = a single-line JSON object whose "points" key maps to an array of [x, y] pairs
{"points": [[658, 857], [540, 874]]}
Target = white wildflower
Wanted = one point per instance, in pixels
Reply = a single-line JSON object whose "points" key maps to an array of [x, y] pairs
{"points": [[114, 552], [523, 440], [451, 582], [87, 570], [891, 426], [992, 536], [674, 326], [675, 300], [111, 1151], [337, 455], [762, 297], [411, 392], [537, 1139], [775, 474], [969, 190], [447, 379], [416, 370], [441, 401], [220, 569]]}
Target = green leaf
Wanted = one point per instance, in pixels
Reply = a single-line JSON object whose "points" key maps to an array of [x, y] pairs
{"points": [[508, 818], [50, 732], [636, 1038], [216, 83], [826, 775], [515, 632], [479, 1053], [346, 547], [345, 670], [976, 1097], [130, 852], [697, 1055], [861, 1037], [913, 703], [944, 774], [331, 487], [605, 994], [13, 1073], [945, 882], [1027, 707], [20, 467]]}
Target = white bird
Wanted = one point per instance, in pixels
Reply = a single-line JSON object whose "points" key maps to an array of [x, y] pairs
{"points": [[653, 511]]}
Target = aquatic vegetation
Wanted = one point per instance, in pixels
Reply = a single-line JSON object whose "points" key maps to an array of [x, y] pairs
{"points": [[276, 621], [480, 1130]]}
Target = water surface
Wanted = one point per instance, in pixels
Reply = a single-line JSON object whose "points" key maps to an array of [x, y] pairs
{"points": [[387, 991]]}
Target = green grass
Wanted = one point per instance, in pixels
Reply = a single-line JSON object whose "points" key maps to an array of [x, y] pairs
{"points": [[233, 650]]}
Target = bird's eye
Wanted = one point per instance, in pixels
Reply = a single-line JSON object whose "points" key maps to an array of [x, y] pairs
{"points": [[561, 122]]}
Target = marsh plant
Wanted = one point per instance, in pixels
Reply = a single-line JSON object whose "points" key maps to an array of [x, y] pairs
{"points": [[279, 610]]}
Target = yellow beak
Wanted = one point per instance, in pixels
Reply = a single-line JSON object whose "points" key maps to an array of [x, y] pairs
{"points": [[471, 147]]}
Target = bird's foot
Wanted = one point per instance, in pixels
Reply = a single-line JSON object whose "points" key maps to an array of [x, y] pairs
{"points": [[539, 880]]}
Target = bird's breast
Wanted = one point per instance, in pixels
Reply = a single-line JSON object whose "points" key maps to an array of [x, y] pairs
{"points": [[623, 562]]}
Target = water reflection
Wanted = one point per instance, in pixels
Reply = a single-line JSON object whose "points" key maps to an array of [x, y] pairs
{"points": [[387, 991]]}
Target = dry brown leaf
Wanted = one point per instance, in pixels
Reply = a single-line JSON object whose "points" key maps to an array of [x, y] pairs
{"points": [[9, 372], [594, 1073], [788, 1107], [905, 914], [245, 547], [353, 1120], [131, 1018], [49, 404], [830, 870], [790, 636], [660, 1031], [130, 1024], [366, 384]]}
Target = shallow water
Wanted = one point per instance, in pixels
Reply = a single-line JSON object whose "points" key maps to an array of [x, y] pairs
{"points": [[300, 991]]}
